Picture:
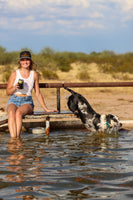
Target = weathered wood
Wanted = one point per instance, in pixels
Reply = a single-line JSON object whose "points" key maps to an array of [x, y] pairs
{"points": [[63, 114], [3, 119], [58, 99], [44, 115], [88, 84]]}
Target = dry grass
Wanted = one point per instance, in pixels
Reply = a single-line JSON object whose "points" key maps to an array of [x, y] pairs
{"points": [[95, 76], [72, 76], [93, 71], [116, 100]]}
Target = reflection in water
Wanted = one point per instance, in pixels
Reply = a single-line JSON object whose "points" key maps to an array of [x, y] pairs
{"points": [[66, 165], [24, 162], [15, 160]]}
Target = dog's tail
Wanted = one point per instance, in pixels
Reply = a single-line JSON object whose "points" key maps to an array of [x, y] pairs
{"points": [[68, 89]]}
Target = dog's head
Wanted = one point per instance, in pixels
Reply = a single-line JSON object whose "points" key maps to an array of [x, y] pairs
{"points": [[105, 123], [112, 122]]}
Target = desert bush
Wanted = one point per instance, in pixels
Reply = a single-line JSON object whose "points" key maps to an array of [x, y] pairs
{"points": [[6, 73], [47, 58], [83, 75], [121, 76], [47, 52], [5, 57], [64, 64], [49, 74], [105, 68], [63, 61]]}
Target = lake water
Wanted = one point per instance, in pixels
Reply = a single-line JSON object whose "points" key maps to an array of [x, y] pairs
{"points": [[66, 165]]}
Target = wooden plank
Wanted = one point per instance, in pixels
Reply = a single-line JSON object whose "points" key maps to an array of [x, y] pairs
{"points": [[43, 115], [85, 84], [3, 119]]}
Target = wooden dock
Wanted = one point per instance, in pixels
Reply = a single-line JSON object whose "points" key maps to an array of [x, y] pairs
{"points": [[54, 121], [62, 119]]}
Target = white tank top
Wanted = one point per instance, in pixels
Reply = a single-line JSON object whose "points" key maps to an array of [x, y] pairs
{"points": [[28, 83]]}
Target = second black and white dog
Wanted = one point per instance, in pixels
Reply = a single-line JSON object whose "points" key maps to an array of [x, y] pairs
{"points": [[92, 120]]}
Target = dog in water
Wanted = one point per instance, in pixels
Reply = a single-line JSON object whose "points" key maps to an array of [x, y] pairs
{"points": [[93, 121]]}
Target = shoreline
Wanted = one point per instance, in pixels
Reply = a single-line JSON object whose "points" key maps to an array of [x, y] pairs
{"points": [[118, 102], [104, 102]]}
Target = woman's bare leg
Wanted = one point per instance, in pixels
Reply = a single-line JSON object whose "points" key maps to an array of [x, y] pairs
{"points": [[12, 120], [20, 112], [15, 115]]}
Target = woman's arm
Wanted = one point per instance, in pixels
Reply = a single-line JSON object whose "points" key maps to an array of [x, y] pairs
{"points": [[39, 95], [10, 87]]}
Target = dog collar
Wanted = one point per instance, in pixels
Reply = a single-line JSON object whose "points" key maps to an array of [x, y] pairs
{"points": [[107, 123]]}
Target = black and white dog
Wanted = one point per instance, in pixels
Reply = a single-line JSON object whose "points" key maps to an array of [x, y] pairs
{"points": [[93, 121]]}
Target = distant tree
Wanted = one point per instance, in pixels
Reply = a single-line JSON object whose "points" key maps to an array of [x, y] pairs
{"points": [[47, 51]]}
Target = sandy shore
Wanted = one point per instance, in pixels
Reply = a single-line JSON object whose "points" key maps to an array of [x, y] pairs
{"points": [[104, 101], [118, 102]]}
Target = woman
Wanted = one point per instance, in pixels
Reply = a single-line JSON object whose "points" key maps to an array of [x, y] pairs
{"points": [[20, 102]]}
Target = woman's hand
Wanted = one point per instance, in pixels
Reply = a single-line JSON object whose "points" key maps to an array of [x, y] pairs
{"points": [[49, 110], [16, 87], [39, 95]]}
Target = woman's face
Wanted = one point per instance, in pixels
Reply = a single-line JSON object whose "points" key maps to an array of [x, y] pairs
{"points": [[25, 63]]}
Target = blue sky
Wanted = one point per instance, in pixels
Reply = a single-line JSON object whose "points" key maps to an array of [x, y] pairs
{"points": [[67, 25]]}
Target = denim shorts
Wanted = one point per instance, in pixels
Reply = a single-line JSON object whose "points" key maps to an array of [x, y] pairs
{"points": [[19, 101]]}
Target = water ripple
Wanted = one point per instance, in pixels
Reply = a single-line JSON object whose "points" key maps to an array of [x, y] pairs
{"points": [[66, 165]]}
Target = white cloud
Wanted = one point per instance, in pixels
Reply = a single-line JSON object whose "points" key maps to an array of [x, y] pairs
{"points": [[22, 4], [126, 5], [81, 3], [125, 8], [71, 15], [91, 25]]}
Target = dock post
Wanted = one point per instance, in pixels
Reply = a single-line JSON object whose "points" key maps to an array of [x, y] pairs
{"points": [[58, 99], [47, 125]]}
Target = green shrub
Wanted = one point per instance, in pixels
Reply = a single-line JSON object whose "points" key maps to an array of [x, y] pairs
{"points": [[6, 73], [47, 58], [49, 74], [64, 64], [121, 76], [83, 75]]}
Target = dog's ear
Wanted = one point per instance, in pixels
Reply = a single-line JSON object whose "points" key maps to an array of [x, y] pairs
{"points": [[109, 117]]}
